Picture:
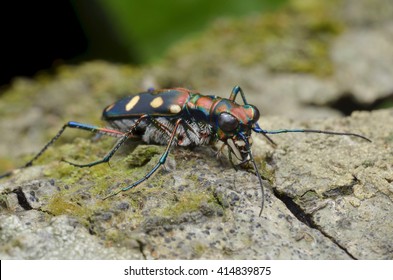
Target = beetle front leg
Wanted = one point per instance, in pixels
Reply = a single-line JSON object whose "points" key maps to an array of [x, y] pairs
{"points": [[235, 91]]}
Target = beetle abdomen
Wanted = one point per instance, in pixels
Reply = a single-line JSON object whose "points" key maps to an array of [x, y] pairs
{"points": [[148, 131]]}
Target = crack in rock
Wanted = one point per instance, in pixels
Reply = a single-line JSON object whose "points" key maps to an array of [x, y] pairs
{"points": [[307, 219]]}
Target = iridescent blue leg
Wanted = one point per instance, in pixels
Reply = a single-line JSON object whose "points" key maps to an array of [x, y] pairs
{"points": [[160, 162], [123, 139], [71, 124], [109, 155], [235, 91]]}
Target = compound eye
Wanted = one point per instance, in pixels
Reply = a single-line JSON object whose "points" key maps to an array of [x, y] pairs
{"points": [[227, 122]]}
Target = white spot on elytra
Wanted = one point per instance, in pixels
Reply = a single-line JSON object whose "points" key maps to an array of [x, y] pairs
{"points": [[132, 102], [174, 109], [156, 102]]}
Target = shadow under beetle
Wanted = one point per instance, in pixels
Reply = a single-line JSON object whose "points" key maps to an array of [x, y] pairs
{"points": [[181, 117]]}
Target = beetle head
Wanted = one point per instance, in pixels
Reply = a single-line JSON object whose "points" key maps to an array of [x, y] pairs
{"points": [[230, 119]]}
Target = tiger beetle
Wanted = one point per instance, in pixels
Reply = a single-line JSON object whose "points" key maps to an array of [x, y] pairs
{"points": [[181, 117]]}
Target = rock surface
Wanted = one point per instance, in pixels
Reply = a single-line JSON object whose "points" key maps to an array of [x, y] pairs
{"points": [[327, 197]]}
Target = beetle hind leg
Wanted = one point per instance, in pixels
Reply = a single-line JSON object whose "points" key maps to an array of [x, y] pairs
{"points": [[160, 162], [119, 143], [71, 124]]}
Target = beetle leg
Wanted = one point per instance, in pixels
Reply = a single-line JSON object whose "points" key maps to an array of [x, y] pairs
{"points": [[71, 124], [119, 143], [160, 162], [235, 91], [235, 166], [159, 125]]}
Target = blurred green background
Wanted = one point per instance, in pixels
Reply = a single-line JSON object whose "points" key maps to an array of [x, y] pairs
{"points": [[39, 35], [145, 29]]}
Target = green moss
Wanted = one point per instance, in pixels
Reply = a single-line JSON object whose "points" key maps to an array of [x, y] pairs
{"points": [[4, 204], [368, 163], [193, 177], [199, 249], [6, 165], [295, 38], [142, 155], [100, 180], [298, 37], [307, 197], [266, 172], [186, 203], [60, 205], [114, 235], [10, 247], [14, 100]]}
